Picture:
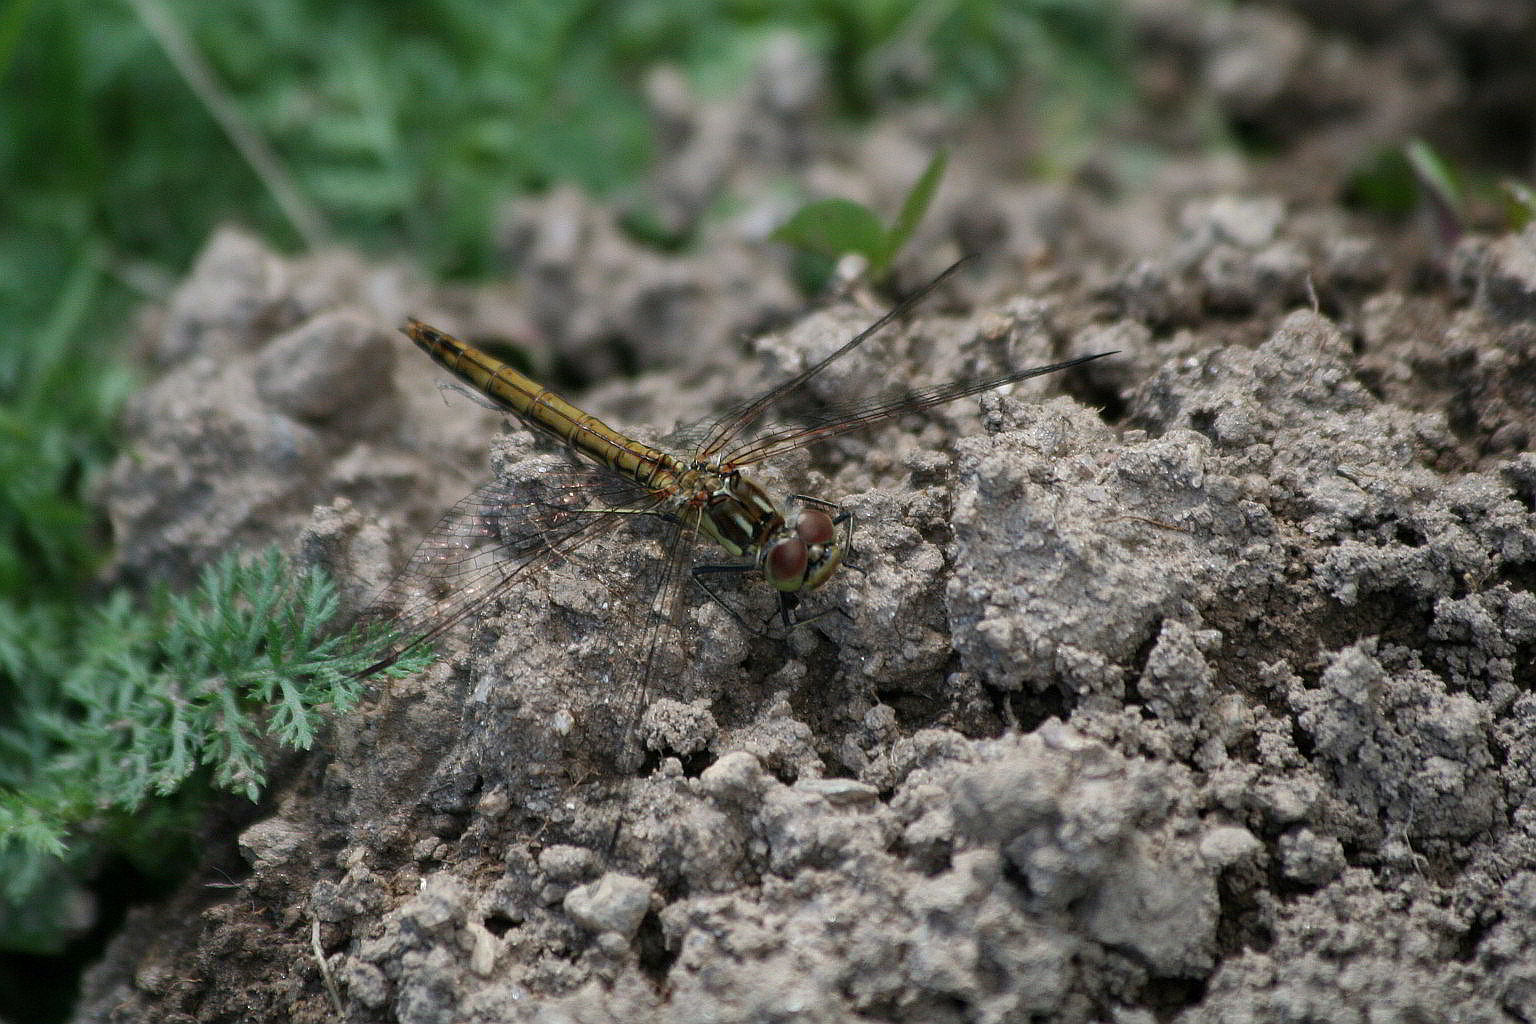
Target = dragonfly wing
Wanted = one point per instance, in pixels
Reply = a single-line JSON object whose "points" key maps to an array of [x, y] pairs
{"points": [[660, 653], [690, 438], [842, 417], [731, 424], [504, 530]]}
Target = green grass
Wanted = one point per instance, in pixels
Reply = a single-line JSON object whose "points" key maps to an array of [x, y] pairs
{"points": [[404, 125]]}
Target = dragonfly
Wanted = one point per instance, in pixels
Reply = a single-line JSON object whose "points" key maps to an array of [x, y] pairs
{"points": [[698, 483]]}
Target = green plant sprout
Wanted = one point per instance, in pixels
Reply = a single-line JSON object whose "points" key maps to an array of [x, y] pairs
{"points": [[1514, 201], [835, 227], [1438, 188], [1519, 203], [1415, 176]]}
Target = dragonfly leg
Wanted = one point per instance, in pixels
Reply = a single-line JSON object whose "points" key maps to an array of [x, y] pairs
{"points": [[785, 612], [789, 602], [479, 399], [701, 571], [830, 610], [787, 605], [823, 503], [850, 557]]}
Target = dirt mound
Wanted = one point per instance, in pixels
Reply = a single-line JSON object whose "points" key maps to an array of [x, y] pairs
{"points": [[1194, 684]]}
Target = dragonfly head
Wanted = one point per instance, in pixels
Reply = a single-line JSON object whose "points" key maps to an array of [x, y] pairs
{"points": [[804, 555]]}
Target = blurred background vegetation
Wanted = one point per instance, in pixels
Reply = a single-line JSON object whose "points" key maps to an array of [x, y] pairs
{"points": [[133, 127]]}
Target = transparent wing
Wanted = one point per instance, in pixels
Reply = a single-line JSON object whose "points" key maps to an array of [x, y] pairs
{"points": [[667, 587], [840, 418], [719, 432], [689, 439], [504, 530]]}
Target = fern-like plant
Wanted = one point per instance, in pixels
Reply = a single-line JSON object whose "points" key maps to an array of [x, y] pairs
{"points": [[126, 706]]}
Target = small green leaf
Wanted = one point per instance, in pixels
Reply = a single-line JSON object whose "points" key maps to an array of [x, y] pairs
{"points": [[1438, 188], [832, 227], [915, 206], [1519, 203], [1432, 171]]}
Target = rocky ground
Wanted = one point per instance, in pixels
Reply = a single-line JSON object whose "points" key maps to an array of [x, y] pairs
{"points": [[1194, 684]]}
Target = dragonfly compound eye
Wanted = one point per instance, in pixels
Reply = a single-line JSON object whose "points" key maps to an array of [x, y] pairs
{"points": [[786, 563], [815, 527]]}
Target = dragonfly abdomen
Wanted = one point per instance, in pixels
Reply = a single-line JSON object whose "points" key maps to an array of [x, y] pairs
{"points": [[543, 410]]}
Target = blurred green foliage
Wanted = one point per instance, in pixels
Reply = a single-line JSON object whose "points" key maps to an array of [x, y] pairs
{"points": [[406, 123], [1416, 179], [1519, 201]]}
